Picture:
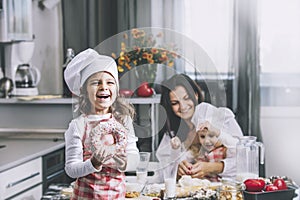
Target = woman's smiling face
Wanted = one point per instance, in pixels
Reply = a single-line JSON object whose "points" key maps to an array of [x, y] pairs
{"points": [[182, 105], [102, 92]]}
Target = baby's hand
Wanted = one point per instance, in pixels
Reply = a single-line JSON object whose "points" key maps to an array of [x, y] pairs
{"points": [[207, 126], [175, 142], [204, 126]]}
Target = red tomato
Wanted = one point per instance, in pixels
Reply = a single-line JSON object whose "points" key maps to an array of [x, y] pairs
{"points": [[280, 184], [271, 187], [254, 185]]}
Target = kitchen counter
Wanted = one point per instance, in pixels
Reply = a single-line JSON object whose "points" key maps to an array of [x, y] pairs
{"points": [[39, 99], [18, 151], [56, 99]]}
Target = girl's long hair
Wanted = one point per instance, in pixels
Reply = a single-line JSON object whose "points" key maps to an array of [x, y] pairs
{"points": [[173, 122]]}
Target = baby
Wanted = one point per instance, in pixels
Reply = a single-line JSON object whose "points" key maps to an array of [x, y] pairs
{"points": [[209, 122], [211, 149]]}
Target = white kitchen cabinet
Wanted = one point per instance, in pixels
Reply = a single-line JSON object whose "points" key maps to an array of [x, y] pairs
{"points": [[34, 193], [22, 181], [15, 20]]}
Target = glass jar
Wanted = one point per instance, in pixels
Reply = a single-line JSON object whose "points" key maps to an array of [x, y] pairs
{"points": [[248, 157], [231, 190]]}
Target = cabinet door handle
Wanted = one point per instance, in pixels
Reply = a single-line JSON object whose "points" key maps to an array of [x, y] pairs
{"points": [[22, 180], [55, 174]]}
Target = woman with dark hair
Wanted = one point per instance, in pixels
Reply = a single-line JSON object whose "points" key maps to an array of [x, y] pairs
{"points": [[185, 110], [194, 93]]}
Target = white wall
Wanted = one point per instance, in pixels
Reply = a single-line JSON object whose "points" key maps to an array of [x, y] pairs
{"points": [[281, 136], [280, 85], [48, 54]]}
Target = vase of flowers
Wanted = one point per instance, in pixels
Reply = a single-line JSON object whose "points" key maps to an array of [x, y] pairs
{"points": [[146, 72], [141, 51]]}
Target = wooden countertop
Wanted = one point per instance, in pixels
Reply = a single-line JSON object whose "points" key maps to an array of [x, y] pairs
{"points": [[18, 151]]}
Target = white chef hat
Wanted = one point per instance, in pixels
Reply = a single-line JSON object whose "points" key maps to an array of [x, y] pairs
{"points": [[84, 65], [217, 116]]}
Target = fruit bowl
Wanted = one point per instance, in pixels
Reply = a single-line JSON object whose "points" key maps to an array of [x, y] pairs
{"points": [[287, 194]]}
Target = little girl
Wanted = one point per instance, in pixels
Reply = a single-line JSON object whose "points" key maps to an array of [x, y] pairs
{"points": [[100, 143]]}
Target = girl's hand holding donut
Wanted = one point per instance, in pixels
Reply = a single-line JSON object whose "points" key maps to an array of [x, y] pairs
{"points": [[100, 156]]}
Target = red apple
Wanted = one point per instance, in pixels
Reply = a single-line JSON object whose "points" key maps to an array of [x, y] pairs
{"points": [[126, 92], [144, 90]]}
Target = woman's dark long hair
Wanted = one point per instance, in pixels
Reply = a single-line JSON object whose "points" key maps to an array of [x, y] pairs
{"points": [[173, 122]]}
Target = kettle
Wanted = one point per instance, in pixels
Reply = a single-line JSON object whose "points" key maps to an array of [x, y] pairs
{"points": [[248, 157], [27, 77], [6, 86]]}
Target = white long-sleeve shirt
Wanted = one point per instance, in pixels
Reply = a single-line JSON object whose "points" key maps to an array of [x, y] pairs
{"points": [[229, 131], [75, 166]]}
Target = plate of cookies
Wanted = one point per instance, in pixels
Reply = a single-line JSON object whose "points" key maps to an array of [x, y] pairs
{"points": [[140, 191], [133, 190]]}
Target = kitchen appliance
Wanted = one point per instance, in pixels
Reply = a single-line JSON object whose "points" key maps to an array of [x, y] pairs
{"points": [[6, 86], [17, 67], [26, 80], [248, 154], [53, 169]]}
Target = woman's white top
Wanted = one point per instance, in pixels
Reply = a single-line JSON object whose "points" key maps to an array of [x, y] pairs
{"points": [[221, 118], [75, 166]]}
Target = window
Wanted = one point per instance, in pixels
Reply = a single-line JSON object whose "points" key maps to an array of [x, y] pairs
{"points": [[279, 52], [280, 36], [210, 25], [207, 46]]}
